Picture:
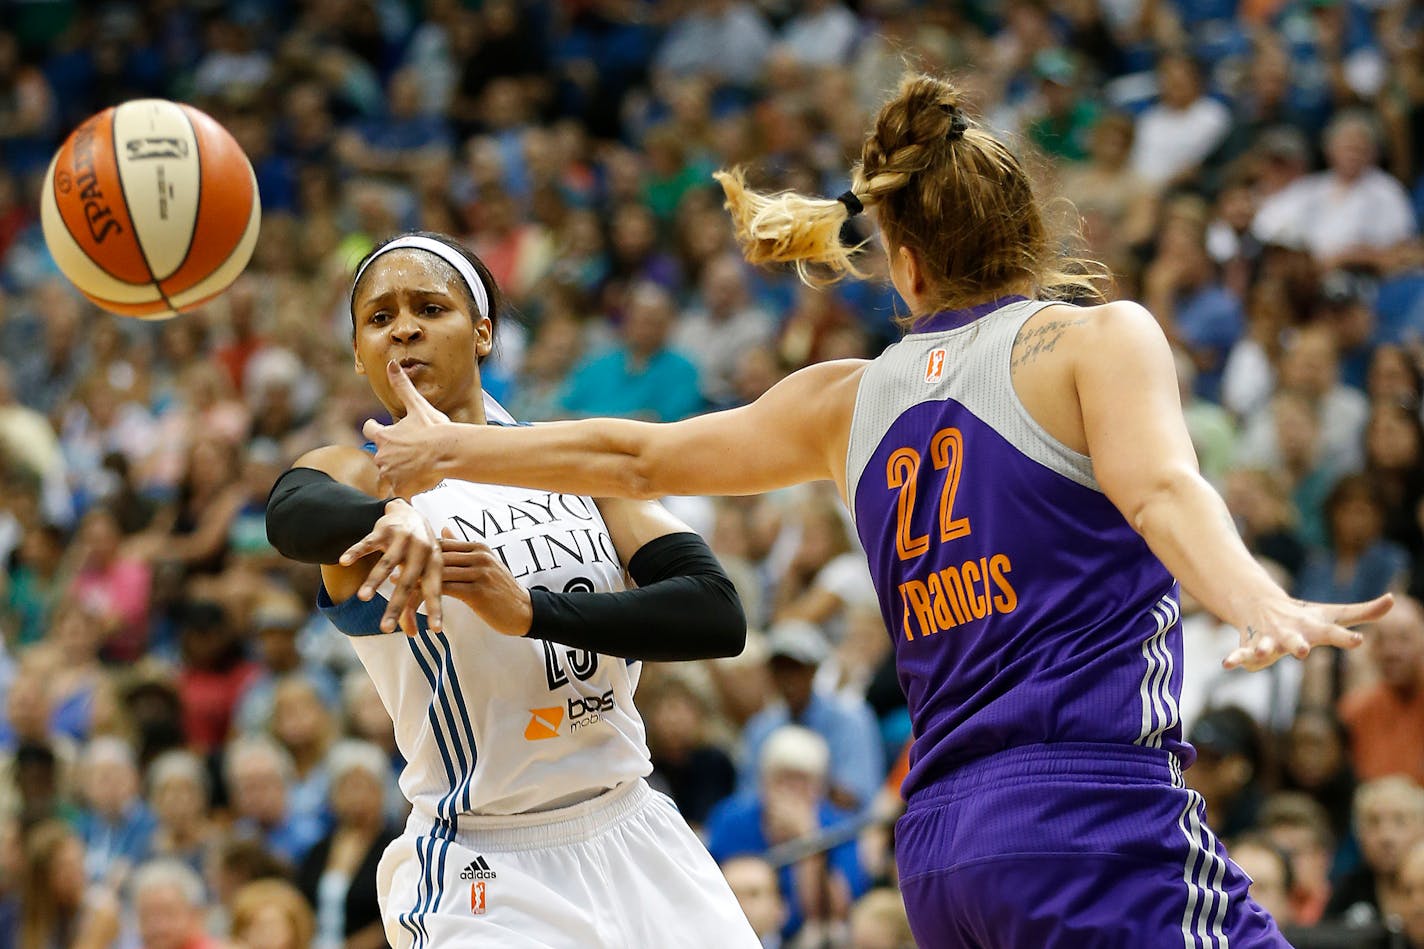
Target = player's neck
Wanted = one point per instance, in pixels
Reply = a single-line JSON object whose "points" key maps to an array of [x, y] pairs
{"points": [[472, 413]]}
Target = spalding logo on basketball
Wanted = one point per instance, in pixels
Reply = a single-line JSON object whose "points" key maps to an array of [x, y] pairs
{"points": [[150, 208]]}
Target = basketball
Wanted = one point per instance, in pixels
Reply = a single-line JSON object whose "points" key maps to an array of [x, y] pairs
{"points": [[150, 208]]}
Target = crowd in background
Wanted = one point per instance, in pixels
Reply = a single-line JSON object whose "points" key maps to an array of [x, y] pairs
{"points": [[191, 757]]}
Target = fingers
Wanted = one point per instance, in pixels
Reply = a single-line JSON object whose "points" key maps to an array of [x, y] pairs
{"points": [[373, 430], [405, 390], [1339, 637], [383, 568], [403, 600], [1353, 614], [430, 580], [369, 544]]}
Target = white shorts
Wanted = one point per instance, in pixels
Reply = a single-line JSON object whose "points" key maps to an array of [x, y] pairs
{"points": [[621, 871]]}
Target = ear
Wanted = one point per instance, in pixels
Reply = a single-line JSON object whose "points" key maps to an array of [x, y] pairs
{"points": [[484, 336], [914, 273], [360, 365]]}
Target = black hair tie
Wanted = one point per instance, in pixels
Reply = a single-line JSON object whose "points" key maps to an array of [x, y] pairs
{"points": [[958, 124], [851, 202]]}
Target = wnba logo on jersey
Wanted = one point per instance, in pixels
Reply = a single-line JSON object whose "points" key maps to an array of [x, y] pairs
{"points": [[477, 897], [934, 368]]}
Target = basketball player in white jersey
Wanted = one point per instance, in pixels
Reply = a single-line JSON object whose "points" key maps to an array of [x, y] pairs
{"points": [[511, 687]]}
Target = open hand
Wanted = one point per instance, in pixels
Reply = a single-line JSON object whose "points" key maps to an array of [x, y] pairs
{"points": [[405, 449], [1295, 627], [475, 576], [411, 557]]}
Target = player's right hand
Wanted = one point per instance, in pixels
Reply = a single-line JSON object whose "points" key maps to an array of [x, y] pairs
{"points": [[479, 579], [411, 558], [1288, 627]]}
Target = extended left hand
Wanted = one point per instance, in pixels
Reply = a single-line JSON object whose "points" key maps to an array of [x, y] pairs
{"points": [[1295, 627], [405, 449]]}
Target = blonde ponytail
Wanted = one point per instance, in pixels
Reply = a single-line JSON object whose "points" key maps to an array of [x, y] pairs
{"points": [[790, 228]]}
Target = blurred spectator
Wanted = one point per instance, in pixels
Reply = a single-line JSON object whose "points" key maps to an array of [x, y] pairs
{"points": [[35, 584], [276, 623], [214, 674], [1182, 128], [302, 724], [1317, 763], [1359, 563], [1261, 508], [797, 648], [726, 324], [1386, 718], [1118, 205], [113, 585], [878, 921], [725, 40], [1310, 370], [1227, 772], [754, 882], [1394, 461], [693, 771], [338, 874], [258, 773], [116, 825], [1389, 820], [1067, 116], [1184, 291], [178, 797], [1300, 829], [272, 914], [53, 887], [642, 376], [1269, 869], [1353, 214], [169, 900], [790, 804]]}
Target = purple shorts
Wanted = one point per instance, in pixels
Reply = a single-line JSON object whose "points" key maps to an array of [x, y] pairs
{"points": [[1075, 845]]}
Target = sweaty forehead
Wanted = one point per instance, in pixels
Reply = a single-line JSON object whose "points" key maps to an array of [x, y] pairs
{"points": [[409, 268]]}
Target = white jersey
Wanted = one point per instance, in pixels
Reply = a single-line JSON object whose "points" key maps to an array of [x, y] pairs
{"points": [[492, 724]]}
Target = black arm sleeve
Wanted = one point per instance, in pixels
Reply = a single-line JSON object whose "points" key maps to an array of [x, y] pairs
{"points": [[684, 607], [313, 518]]}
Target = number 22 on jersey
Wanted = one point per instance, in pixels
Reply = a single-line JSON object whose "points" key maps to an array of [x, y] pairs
{"points": [[902, 472]]}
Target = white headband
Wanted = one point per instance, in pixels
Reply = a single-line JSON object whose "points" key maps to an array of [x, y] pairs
{"points": [[446, 253]]}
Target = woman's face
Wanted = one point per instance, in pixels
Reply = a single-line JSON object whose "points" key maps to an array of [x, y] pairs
{"points": [[411, 309], [1314, 753], [1355, 523], [357, 797], [298, 717], [1392, 442], [1389, 376], [268, 928], [178, 800]]}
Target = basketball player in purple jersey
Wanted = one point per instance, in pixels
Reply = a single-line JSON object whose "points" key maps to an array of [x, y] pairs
{"points": [[1025, 489]]}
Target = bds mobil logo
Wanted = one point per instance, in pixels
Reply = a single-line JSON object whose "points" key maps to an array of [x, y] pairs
{"points": [[581, 711]]}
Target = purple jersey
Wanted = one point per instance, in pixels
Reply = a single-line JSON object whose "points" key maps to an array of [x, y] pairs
{"points": [[1023, 606]]}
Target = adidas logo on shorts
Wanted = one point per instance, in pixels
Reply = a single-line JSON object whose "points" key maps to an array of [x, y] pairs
{"points": [[478, 870]]}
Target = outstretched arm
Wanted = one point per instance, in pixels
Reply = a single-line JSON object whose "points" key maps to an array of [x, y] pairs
{"points": [[794, 433], [1144, 461]]}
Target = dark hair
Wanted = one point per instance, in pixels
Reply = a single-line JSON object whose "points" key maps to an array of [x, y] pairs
{"points": [[496, 299], [1355, 487]]}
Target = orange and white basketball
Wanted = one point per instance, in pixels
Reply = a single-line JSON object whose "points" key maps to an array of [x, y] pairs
{"points": [[150, 208]]}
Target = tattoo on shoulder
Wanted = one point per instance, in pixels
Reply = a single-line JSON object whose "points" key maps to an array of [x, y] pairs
{"points": [[1040, 339]]}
